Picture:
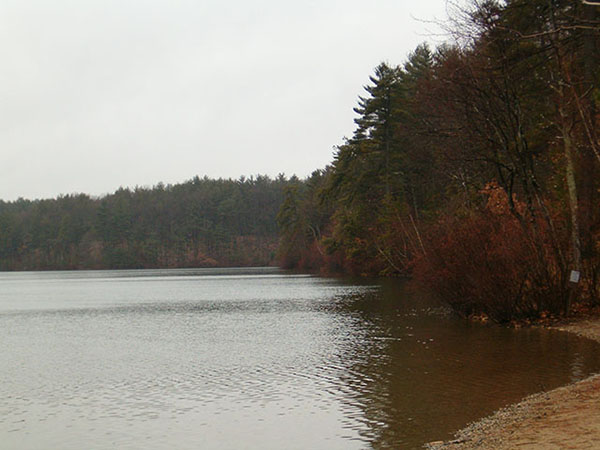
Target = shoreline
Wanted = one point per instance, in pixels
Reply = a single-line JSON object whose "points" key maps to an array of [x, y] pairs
{"points": [[565, 417]]}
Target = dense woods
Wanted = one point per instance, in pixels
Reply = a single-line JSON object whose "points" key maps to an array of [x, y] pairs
{"points": [[199, 223], [474, 167]]}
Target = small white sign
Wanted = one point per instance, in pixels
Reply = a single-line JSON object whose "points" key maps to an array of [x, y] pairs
{"points": [[574, 276]]}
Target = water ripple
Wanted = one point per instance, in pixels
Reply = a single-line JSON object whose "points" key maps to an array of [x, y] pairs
{"points": [[263, 361]]}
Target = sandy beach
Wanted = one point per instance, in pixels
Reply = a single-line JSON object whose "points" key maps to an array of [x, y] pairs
{"points": [[564, 418]]}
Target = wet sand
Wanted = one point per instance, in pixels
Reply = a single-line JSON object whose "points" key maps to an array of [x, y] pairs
{"points": [[564, 418]]}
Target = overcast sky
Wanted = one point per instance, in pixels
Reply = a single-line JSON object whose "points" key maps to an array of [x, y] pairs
{"points": [[98, 94]]}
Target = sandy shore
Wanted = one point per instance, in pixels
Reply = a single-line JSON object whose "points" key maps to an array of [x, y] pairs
{"points": [[564, 418]]}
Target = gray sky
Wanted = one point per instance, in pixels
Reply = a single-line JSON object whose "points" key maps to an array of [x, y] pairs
{"points": [[97, 94]]}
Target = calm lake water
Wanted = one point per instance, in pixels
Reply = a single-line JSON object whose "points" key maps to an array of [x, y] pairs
{"points": [[238, 358]]}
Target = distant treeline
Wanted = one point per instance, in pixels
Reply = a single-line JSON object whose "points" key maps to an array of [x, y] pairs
{"points": [[474, 167], [198, 223]]}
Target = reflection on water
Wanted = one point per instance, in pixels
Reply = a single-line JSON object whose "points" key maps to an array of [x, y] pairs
{"points": [[253, 359]]}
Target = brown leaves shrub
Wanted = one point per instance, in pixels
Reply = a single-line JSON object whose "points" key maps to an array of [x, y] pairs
{"points": [[487, 263]]}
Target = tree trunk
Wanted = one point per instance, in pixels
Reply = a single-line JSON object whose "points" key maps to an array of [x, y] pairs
{"points": [[573, 204]]}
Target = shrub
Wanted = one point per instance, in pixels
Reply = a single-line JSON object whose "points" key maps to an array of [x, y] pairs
{"points": [[491, 263]]}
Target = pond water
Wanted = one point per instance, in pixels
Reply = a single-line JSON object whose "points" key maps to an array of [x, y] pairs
{"points": [[253, 358]]}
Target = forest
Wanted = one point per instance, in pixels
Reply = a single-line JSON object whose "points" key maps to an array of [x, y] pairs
{"points": [[474, 167], [199, 223]]}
